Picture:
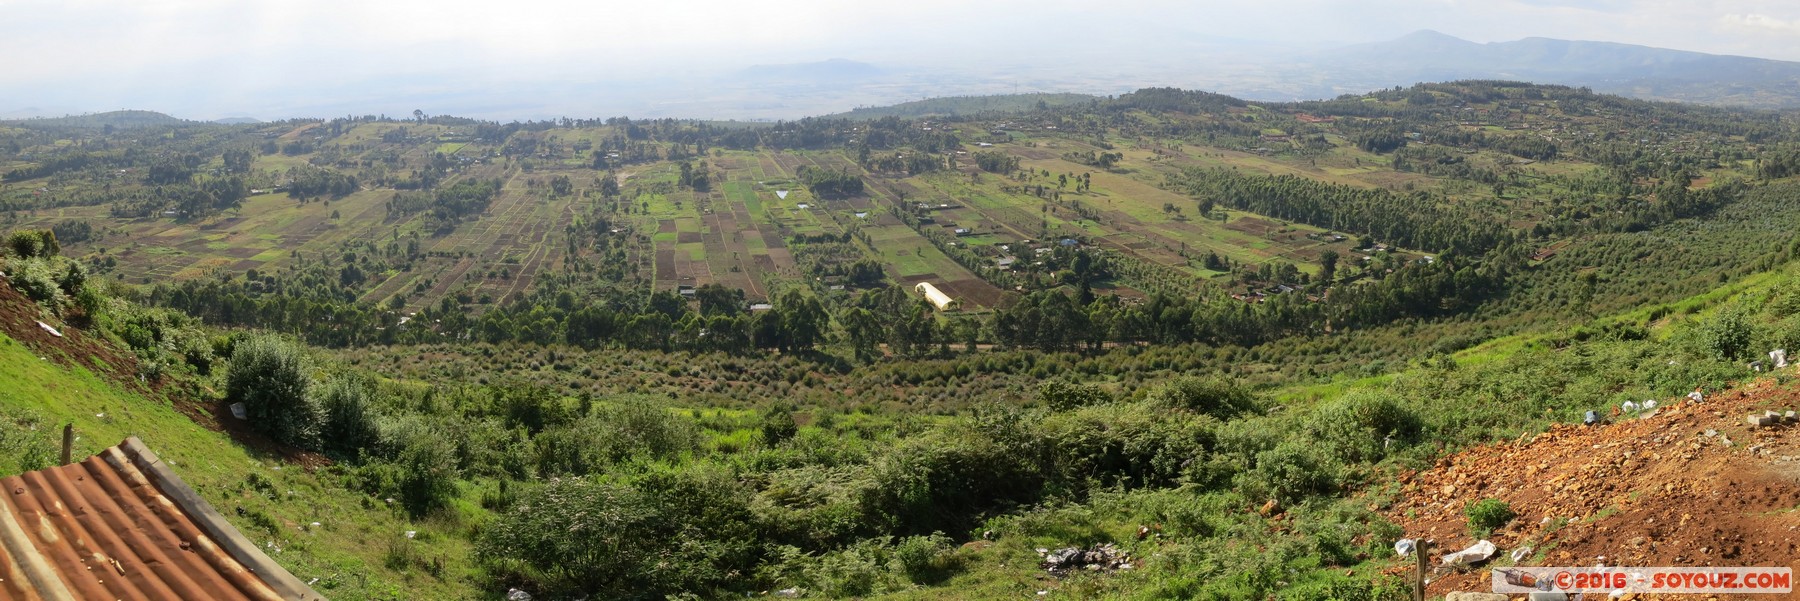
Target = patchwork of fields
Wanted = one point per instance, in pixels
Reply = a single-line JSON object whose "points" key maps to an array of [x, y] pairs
{"points": [[740, 229]]}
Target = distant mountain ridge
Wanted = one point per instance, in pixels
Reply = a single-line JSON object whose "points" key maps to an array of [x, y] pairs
{"points": [[949, 106], [120, 119], [1625, 69]]}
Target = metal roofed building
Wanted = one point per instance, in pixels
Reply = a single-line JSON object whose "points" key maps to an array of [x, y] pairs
{"points": [[122, 525]]}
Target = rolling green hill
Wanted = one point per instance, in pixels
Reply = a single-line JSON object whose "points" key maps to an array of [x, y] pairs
{"points": [[1208, 332]]}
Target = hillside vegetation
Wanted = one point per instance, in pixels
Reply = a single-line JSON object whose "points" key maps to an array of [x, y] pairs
{"points": [[623, 359]]}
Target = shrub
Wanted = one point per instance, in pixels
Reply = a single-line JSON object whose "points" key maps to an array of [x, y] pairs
{"points": [[27, 244], [1061, 395], [1363, 426], [270, 377], [778, 425], [1290, 472], [666, 533], [1217, 397], [37, 279], [1486, 515], [626, 429], [350, 420], [1726, 335], [1125, 444], [945, 480], [418, 464]]}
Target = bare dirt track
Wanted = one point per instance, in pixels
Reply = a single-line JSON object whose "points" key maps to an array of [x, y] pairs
{"points": [[1691, 486]]}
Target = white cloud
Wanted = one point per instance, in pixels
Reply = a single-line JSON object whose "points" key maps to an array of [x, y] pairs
{"points": [[1761, 22]]}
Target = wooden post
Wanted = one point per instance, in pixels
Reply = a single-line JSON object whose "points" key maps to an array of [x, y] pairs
{"points": [[1419, 552], [68, 442]]}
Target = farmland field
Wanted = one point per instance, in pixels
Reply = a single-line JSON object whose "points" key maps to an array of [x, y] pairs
{"points": [[748, 226]]}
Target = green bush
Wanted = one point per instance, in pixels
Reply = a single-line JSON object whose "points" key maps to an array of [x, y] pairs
{"points": [[663, 534], [1486, 515], [945, 480], [1217, 397], [37, 279], [1125, 444], [778, 425], [628, 428], [28, 244], [1062, 395], [271, 377], [1727, 333], [417, 463], [351, 424], [1363, 426], [1290, 472]]}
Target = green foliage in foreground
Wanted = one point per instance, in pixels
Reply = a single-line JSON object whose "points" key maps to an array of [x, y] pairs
{"points": [[1487, 515], [624, 496]]}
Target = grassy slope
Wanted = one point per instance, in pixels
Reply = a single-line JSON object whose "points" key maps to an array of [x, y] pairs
{"points": [[354, 552]]}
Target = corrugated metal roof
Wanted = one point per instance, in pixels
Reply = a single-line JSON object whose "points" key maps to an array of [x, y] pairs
{"points": [[121, 525]]}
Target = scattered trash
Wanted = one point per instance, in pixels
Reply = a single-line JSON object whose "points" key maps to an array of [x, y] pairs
{"points": [[1526, 579], [1591, 418], [1101, 557], [1778, 357], [411, 533], [1403, 547], [1696, 396], [49, 329], [1476, 553], [513, 594], [1520, 554], [316, 524], [792, 592], [1628, 407], [781, 194], [239, 411], [1649, 404]]}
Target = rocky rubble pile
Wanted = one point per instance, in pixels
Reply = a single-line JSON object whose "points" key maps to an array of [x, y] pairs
{"points": [[1101, 558], [1690, 485]]}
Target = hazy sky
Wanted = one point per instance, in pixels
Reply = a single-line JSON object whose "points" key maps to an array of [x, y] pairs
{"points": [[217, 57]]}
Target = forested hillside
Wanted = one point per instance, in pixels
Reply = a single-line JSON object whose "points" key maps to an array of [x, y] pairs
{"points": [[1209, 333]]}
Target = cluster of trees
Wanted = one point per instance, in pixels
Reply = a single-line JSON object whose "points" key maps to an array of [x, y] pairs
{"points": [[829, 183], [993, 161], [1414, 221], [449, 206], [306, 183]]}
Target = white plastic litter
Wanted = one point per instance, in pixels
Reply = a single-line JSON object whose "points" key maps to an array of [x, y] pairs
{"points": [[1778, 357], [1403, 547], [1628, 406], [1520, 554], [239, 411], [1649, 404], [49, 329], [781, 194], [1476, 553]]}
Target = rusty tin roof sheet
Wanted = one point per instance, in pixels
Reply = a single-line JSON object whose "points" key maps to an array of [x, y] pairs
{"points": [[121, 525]]}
